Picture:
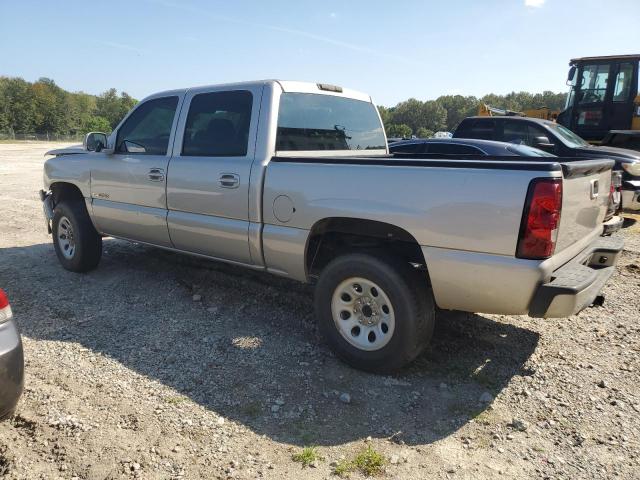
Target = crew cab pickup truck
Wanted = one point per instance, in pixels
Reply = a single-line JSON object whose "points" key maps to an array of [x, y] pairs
{"points": [[295, 179]]}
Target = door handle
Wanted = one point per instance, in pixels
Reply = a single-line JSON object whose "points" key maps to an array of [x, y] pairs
{"points": [[156, 175], [229, 180]]}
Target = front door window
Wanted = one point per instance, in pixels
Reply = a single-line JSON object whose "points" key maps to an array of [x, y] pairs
{"points": [[148, 128], [594, 83]]}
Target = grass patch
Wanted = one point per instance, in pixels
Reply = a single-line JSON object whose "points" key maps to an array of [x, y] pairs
{"points": [[368, 462], [307, 456], [343, 469]]}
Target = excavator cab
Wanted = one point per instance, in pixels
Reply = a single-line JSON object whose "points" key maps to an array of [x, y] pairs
{"points": [[603, 105]]}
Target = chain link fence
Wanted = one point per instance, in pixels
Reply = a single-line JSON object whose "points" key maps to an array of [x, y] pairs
{"points": [[42, 137]]}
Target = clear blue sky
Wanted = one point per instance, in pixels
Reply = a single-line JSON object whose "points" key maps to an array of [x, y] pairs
{"points": [[391, 49]]}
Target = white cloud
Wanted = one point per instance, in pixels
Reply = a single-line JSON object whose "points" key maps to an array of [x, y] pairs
{"points": [[534, 3]]}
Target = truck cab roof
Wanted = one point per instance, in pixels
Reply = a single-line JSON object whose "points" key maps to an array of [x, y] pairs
{"points": [[285, 85]]}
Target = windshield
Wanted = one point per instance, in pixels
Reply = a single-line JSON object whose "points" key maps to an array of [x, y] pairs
{"points": [[308, 122], [569, 138], [527, 151]]}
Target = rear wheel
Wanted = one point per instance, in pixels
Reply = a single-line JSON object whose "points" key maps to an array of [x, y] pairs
{"points": [[76, 242], [375, 313]]}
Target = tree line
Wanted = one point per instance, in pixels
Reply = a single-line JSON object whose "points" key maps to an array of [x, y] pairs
{"points": [[423, 119], [43, 107]]}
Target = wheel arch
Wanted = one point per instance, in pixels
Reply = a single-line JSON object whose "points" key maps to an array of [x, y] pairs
{"points": [[332, 236], [65, 191]]}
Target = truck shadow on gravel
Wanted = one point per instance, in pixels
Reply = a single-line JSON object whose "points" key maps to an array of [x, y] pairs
{"points": [[244, 345]]}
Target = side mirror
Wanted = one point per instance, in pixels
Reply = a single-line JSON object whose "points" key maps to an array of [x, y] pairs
{"points": [[95, 141], [572, 72], [542, 142]]}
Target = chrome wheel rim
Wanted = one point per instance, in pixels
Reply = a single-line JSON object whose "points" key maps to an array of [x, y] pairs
{"points": [[363, 313], [66, 240]]}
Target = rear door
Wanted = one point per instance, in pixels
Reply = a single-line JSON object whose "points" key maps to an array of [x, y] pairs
{"points": [[128, 186], [208, 182]]}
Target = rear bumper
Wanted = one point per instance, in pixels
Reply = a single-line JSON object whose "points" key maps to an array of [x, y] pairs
{"points": [[11, 367], [612, 225], [505, 285], [577, 284]]}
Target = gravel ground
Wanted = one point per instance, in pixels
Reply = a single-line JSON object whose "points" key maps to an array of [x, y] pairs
{"points": [[163, 366]]}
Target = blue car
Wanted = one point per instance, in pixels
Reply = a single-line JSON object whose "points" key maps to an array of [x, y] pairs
{"points": [[463, 146]]}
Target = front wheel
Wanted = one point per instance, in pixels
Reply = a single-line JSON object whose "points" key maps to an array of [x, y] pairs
{"points": [[76, 242], [376, 313]]}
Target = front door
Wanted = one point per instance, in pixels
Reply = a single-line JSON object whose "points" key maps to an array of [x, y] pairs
{"points": [[625, 89], [592, 100], [208, 179], [128, 187]]}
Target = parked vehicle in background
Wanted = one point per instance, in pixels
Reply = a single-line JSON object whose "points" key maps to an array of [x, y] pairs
{"points": [[442, 135], [453, 146], [11, 359], [603, 105], [295, 179], [558, 140]]}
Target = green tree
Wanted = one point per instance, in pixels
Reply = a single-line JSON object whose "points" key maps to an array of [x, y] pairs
{"points": [[458, 107], [417, 114], [395, 130], [18, 105], [424, 133], [96, 124], [113, 107]]}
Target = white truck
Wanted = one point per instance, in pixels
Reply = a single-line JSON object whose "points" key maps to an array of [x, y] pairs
{"points": [[295, 179]]}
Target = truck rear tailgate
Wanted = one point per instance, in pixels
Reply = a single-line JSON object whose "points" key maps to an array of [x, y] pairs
{"points": [[585, 197]]}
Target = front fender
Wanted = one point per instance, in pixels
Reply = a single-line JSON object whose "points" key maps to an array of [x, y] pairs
{"points": [[72, 169]]}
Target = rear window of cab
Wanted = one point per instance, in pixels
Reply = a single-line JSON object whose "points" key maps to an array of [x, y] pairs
{"points": [[312, 122]]}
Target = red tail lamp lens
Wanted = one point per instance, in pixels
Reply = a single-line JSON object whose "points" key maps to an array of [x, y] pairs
{"points": [[541, 218]]}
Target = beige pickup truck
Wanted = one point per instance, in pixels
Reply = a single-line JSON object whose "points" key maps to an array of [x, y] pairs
{"points": [[295, 179]]}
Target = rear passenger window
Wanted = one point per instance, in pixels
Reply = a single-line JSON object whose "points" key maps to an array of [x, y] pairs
{"points": [[218, 124], [480, 129], [453, 149]]}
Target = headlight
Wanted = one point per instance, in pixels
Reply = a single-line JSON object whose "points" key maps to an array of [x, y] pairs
{"points": [[632, 168]]}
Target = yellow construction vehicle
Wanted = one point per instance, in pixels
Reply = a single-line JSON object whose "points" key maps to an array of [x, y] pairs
{"points": [[603, 104], [545, 113]]}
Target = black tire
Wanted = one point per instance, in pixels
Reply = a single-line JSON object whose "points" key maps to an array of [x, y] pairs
{"points": [[88, 243], [412, 302]]}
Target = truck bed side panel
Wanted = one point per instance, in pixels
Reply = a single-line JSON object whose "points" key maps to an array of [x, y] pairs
{"points": [[477, 210], [447, 207]]}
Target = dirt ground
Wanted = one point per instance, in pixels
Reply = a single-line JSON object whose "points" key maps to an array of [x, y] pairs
{"points": [[161, 366]]}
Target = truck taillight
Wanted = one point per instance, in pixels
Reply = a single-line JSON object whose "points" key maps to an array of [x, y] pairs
{"points": [[5, 308], [541, 219]]}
